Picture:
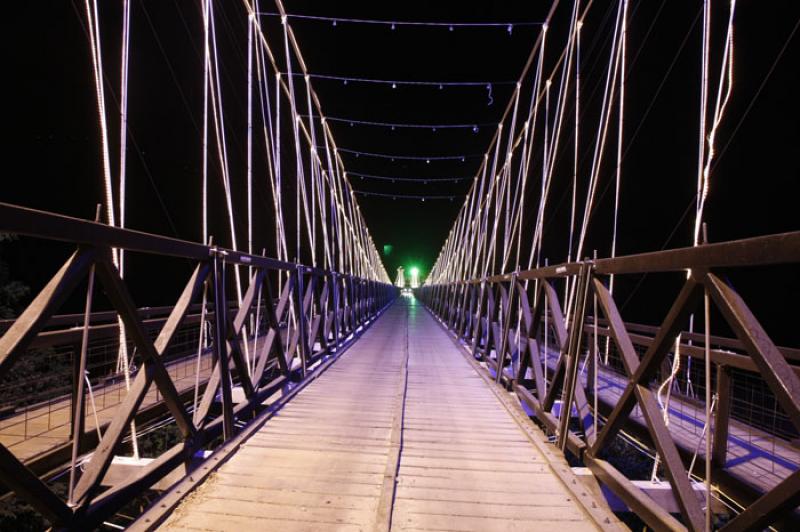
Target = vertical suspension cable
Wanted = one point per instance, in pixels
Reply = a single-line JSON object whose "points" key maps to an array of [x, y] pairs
{"points": [[123, 122], [707, 352], [222, 144], [249, 170], [123, 136], [206, 82], [577, 140], [97, 63], [721, 103], [701, 141], [620, 123]]}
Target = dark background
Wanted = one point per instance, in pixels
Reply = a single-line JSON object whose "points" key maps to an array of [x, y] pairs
{"points": [[52, 156]]}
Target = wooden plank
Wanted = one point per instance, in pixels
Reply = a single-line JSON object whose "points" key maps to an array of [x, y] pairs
{"points": [[328, 460], [227, 523], [467, 523], [491, 510]]}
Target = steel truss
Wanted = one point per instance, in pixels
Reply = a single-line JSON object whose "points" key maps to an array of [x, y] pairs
{"points": [[329, 310], [483, 314]]}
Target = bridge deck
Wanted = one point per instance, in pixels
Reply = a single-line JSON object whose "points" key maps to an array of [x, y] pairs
{"points": [[329, 459]]}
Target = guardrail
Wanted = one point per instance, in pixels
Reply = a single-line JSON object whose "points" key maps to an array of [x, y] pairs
{"points": [[505, 320], [325, 311]]}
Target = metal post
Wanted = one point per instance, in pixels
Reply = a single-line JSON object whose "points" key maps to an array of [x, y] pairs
{"points": [[221, 342], [501, 354], [573, 355], [301, 320], [79, 404]]}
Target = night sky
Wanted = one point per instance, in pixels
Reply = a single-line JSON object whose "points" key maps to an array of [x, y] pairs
{"points": [[52, 155]]}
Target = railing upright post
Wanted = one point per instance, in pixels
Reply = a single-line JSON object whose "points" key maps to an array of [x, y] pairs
{"points": [[302, 339], [722, 419], [79, 394], [335, 294], [477, 329], [501, 354], [573, 354], [221, 342]]}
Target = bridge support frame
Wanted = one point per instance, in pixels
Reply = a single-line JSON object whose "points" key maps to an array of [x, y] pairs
{"points": [[753, 351]]}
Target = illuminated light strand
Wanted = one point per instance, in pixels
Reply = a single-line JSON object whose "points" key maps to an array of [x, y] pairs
{"points": [[299, 167], [206, 63], [450, 197], [221, 140], [249, 170], [123, 358], [726, 85], [97, 64], [475, 127], [250, 361], [123, 114], [93, 23], [406, 82], [701, 141], [574, 204], [425, 158], [620, 123], [396, 23], [480, 208], [408, 179]]}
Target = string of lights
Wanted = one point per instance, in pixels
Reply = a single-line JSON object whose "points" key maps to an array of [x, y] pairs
{"points": [[426, 158], [394, 24], [417, 197], [394, 83], [425, 180], [475, 127]]}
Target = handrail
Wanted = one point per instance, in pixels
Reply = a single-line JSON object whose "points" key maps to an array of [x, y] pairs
{"points": [[328, 311], [488, 314]]}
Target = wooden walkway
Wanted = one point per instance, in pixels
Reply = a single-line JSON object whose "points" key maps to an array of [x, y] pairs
{"points": [[400, 433]]}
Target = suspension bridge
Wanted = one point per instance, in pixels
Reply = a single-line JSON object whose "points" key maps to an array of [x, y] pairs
{"points": [[283, 381]]}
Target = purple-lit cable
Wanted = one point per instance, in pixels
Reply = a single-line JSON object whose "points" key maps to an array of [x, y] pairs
{"points": [[425, 180], [405, 196], [396, 82], [474, 126], [426, 158], [394, 23]]}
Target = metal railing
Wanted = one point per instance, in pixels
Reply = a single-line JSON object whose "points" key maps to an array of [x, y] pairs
{"points": [[501, 321], [315, 314]]}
